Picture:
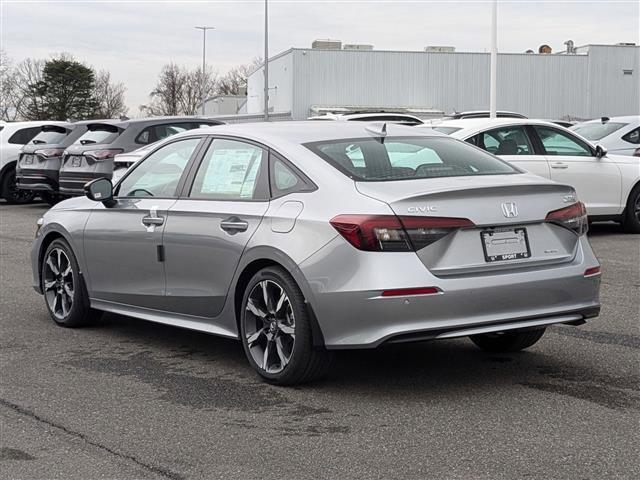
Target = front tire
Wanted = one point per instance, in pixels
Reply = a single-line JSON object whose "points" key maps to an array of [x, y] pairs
{"points": [[631, 222], [510, 341], [11, 193], [64, 290], [276, 332]]}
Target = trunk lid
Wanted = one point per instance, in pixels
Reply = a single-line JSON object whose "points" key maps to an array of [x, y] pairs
{"points": [[507, 210]]}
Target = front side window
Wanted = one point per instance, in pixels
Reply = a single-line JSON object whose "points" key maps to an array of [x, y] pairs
{"points": [[597, 131], [229, 171], [633, 136], [158, 174], [403, 158], [505, 141], [158, 132], [556, 142]]}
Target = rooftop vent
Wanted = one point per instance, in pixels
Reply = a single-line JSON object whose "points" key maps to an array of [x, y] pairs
{"points": [[439, 48], [327, 44], [357, 46]]}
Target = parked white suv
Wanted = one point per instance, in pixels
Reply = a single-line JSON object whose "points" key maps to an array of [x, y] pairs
{"points": [[609, 185], [13, 136]]}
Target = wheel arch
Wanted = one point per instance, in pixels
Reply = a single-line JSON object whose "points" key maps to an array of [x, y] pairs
{"points": [[10, 165], [263, 257]]}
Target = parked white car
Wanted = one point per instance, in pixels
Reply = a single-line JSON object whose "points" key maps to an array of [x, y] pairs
{"points": [[13, 136], [609, 185], [124, 161], [620, 135], [390, 117]]}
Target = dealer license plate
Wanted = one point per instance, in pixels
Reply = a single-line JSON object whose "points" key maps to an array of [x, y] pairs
{"points": [[505, 244]]}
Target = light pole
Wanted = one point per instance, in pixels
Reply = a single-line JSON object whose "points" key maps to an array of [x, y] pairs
{"points": [[494, 60], [204, 64], [266, 61]]}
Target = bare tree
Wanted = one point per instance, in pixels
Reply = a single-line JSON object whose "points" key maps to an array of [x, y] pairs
{"points": [[166, 96], [236, 79], [192, 89], [8, 111], [27, 101], [110, 96]]}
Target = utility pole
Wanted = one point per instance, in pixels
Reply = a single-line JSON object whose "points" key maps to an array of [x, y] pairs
{"points": [[494, 60], [204, 63], [266, 61]]}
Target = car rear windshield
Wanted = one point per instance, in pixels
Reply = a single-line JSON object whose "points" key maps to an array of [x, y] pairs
{"points": [[405, 158], [596, 131], [99, 134], [50, 135]]}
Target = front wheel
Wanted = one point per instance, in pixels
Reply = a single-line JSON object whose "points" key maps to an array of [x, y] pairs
{"points": [[276, 332], [510, 341], [64, 290], [631, 220], [10, 191]]}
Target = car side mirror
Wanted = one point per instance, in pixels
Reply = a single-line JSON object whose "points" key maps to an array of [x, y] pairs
{"points": [[100, 190], [600, 151]]}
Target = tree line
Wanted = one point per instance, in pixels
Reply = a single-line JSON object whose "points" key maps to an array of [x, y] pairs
{"points": [[62, 88]]}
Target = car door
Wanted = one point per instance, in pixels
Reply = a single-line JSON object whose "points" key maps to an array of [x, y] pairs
{"points": [[123, 243], [209, 226], [513, 144], [596, 180]]}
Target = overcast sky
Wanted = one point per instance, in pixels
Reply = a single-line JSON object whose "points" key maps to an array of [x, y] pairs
{"points": [[133, 39]]}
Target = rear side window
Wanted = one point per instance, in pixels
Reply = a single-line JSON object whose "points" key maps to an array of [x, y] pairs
{"points": [[557, 142], [155, 133], [24, 135], [403, 158], [633, 136], [230, 170], [103, 134], [504, 141], [50, 135], [597, 131]]}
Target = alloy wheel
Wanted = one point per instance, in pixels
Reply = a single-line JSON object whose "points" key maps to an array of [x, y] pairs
{"points": [[58, 283], [269, 326]]}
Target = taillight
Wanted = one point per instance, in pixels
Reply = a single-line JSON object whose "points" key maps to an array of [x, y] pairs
{"points": [[103, 154], [389, 233], [592, 271], [573, 217], [636, 153], [50, 152]]}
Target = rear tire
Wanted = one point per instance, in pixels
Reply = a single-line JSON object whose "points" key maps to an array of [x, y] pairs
{"points": [[631, 222], [50, 198], [10, 192], [275, 329], [510, 341], [64, 289]]}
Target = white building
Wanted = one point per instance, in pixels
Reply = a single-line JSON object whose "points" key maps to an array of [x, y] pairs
{"points": [[597, 80], [225, 105]]}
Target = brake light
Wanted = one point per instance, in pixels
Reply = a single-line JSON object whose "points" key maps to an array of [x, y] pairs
{"points": [[103, 154], [50, 152], [573, 217], [389, 233], [636, 153]]}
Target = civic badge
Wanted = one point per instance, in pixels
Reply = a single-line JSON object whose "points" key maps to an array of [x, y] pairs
{"points": [[509, 209]]}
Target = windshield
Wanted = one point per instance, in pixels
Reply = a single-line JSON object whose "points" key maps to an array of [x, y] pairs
{"points": [[402, 158], [99, 134], [596, 131], [50, 135]]}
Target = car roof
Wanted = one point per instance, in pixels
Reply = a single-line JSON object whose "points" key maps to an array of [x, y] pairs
{"points": [[33, 123], [481, 123], [624, 119], [299, 132]]}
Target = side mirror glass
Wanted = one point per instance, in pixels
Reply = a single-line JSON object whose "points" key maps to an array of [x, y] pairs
{"points": [[100, 190], [600, 151]]}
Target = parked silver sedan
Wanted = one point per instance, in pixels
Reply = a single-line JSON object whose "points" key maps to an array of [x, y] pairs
{"points": [[301, 238]]}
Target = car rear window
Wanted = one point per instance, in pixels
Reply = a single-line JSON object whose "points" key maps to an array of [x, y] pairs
{"points": [[99, 134], [50, 135], [404, 158], [597, 131]]}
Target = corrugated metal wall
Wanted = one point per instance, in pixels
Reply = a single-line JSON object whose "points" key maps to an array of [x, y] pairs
{"points": [[543, 86]]}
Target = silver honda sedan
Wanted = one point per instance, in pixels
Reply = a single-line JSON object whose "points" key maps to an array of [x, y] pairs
{"points": [[301, 238]]}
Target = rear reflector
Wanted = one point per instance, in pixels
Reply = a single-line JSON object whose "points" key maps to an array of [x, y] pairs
{"points": [[589, 272], [405, 292], [389, 233], [573, 217]]}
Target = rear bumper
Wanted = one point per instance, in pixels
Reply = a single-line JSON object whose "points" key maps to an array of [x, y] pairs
{"points": [[72, 183], [347, 285], [37, 179]]}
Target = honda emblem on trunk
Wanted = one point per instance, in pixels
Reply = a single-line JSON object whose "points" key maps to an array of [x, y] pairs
{"points": [[509, 209]]}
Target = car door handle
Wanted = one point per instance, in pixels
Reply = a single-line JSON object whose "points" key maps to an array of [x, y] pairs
{"points": [[559, 165], [149, 220], [234, 224]]}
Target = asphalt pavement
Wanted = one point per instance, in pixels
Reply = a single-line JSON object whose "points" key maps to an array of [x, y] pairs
{"points": [[128, 399]]}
